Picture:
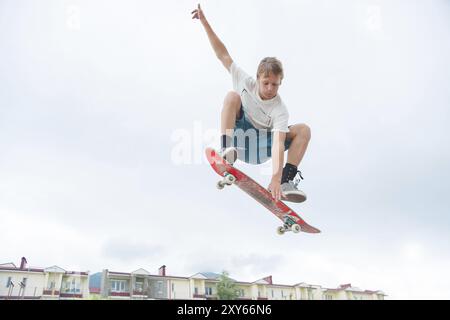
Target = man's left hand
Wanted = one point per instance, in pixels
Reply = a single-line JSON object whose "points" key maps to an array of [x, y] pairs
{"points": [[275, 189]]}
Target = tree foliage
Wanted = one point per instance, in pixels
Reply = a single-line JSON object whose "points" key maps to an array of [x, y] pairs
{"points": [[226, 288]]}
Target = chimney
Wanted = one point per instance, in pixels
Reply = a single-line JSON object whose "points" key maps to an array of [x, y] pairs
{"points": [[23, 263], [345, 286], [162, 271], [268, 279]]}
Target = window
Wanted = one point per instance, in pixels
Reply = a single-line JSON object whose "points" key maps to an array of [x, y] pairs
{"points": [[173, 287], [328, 297], [118, 285], [310, 294], [8, 282], [195, 290], [139, 287], [160, 286], [71, 286], [240, 292], [208, 291], [52, 285], [272, 293]]}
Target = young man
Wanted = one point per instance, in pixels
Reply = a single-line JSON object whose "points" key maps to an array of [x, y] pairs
{"points": [[256, 107]]}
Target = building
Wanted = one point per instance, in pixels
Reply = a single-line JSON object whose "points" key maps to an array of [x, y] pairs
{"points": [[141, 284], [41, 283], [25, 282]]}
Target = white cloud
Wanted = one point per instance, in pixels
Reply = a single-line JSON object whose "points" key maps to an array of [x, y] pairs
{"points": [[413, 252]]}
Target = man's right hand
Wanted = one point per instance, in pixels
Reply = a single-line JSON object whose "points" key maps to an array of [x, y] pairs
{"points": [[217, 45], [198, 14]]}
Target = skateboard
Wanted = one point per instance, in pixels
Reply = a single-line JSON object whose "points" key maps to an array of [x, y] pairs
{"points": [[230, 175]]}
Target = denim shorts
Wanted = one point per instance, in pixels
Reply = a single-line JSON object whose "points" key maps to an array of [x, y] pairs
{"points": [[254, 145]]}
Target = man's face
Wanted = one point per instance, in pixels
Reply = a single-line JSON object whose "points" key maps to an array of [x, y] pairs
{"points": [[268, 85]]}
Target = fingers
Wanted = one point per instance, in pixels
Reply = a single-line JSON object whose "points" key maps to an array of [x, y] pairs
{"points": [[278, 198], [272, 192], [197, 12], [276, 194]]}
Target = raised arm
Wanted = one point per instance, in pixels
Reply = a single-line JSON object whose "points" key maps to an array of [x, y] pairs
{"points": [[217, 45]]}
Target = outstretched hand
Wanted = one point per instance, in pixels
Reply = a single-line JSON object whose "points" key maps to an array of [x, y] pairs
{"points": [[198, 13]]}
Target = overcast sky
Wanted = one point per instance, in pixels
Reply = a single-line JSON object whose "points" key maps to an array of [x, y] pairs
{"points": [[106, 107]]}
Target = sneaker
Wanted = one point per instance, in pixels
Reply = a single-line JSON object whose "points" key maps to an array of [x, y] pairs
{"points": [[291, 193], [230, 154]]}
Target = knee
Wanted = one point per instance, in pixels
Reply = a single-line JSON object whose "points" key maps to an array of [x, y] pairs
{"points": [[232, 100], [303, 131]]}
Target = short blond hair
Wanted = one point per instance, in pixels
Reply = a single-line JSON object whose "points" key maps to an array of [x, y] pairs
{"points": [[270, 65]]}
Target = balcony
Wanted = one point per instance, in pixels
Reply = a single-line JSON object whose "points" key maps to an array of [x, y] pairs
{"points": [[68, 292], [71, 295], [119, 294], [199, 296], [50, 292], [141, 293]]}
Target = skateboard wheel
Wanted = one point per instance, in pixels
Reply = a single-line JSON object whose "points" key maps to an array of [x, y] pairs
{"points": [[229, 178], [296, 228], [220, 185], [281, 230]]}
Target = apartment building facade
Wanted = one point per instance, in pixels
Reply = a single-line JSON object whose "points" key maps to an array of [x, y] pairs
{"points": [[141, 284], [25, 282]]}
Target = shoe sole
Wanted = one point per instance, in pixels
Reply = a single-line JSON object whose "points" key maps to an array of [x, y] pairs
{"points": [[294, 197]]}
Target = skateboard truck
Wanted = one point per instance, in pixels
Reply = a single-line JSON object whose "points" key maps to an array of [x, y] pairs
{"points": [[288, 225], [228, 180]]}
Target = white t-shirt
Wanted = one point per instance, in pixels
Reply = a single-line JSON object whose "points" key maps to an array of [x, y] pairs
{"points": [[263, 114]]}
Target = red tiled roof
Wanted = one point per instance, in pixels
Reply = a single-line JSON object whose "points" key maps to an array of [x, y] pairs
{"points": [[40, 270], [77, 272], [332, 289], [120, 273], [24, 270], [370, 291]]}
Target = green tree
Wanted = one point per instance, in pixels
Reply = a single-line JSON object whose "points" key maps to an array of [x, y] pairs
{"points": [[226, 288]]}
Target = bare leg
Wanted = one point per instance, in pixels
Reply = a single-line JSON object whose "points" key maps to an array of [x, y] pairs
{"points": [[300, 134], [230, 112]]}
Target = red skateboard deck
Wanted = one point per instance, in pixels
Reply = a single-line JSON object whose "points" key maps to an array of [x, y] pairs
{"points": [[231, 175]]}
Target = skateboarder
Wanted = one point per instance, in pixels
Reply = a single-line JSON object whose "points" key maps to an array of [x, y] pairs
{"points": [[255, 119]]}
